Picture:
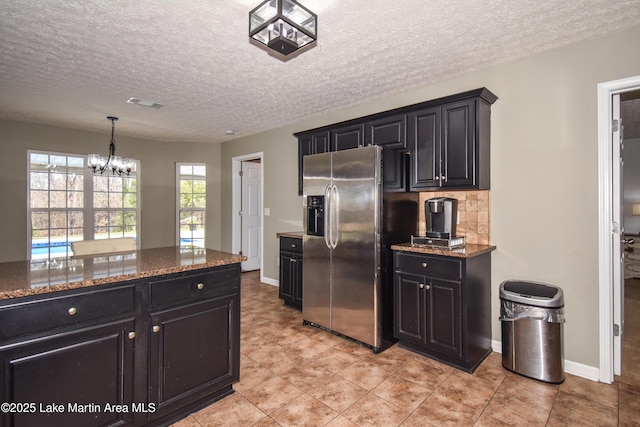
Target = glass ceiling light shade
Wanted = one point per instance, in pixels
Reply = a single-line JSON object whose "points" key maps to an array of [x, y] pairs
{"points": [[117, 165], [284, 26]]}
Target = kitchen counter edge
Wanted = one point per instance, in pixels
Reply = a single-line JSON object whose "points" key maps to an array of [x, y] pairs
{"points": [[290, 234], [15, 283], [468, 251]]}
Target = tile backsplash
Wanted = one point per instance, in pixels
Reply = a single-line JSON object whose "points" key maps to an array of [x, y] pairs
{"points": [[473, 214]]}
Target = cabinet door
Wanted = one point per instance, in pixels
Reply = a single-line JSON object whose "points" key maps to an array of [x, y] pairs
{"points": [[444, 317], [409, 307], [458, 144], [394, 170], [389, 132], [93, 365], [424, 139], [287, 278], [347, 137], [297, 281], [291, 279], [311, 144], [191, 352]]}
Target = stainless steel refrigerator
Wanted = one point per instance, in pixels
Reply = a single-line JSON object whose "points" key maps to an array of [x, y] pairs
{"points": [[349, 224]]}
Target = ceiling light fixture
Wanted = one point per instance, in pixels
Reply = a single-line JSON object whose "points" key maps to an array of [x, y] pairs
{"points": [[145, 103], [284, 26], [117, 165]]}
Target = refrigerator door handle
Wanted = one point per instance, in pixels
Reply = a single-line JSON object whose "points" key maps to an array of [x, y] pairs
{"points": [[327, 216], [335, 216]]}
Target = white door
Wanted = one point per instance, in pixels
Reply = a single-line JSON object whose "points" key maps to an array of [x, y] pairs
{"points": [[251, 210], [617, 235]]}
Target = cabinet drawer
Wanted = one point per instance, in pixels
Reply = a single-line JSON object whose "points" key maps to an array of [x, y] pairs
{"points": [[185, 287], [291, 244], [44, 314], [441, 267]]}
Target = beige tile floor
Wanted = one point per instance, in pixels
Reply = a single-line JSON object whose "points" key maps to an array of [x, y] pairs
{"points": [[295, 375]]}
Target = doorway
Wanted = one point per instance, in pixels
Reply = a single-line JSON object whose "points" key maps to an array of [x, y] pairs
{"points": [[610, 227], [247, 219], [630, 114]]}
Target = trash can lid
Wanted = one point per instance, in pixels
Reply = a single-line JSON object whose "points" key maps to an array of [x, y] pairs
{"points": [[532, 293]]}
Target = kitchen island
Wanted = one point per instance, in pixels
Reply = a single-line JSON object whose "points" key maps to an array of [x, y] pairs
{"points": [[138, 338]]}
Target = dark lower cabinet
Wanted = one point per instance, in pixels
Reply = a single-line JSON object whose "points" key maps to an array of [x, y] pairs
{"points": [[442, 307], [191, 353], [290, 284], [64, 376], [133, 353]]}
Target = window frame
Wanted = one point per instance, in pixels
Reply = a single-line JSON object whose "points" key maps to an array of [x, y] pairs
{"points": [[88, 210], [179, 209]]}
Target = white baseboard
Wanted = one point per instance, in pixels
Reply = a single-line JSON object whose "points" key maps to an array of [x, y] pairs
{"points": [[269, 281], [573, 368]]}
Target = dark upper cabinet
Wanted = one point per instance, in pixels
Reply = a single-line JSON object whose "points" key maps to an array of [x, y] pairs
{"points": [[458, 148], [344, 138], [424, 134], [394, 170], [311, 143], [389, 132], [450, 145], [442, 143]]}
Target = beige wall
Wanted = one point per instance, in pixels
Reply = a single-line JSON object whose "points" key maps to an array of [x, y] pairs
{"points": [[157, 180], [544, 177]]}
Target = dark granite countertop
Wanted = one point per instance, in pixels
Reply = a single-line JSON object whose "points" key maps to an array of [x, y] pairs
{"points": [[467, 251], [292, 234], [25, 278]]}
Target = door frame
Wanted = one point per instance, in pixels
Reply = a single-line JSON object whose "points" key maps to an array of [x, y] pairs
{"points": [[236, 203], [607, 171]]}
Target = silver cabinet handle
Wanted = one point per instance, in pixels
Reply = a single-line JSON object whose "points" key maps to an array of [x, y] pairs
{"points": [[427, 287], [156, 329], [293, 260], [424, 265], [131, 335], [72, 311], [200, 286], [421, 285], [293, 245]]}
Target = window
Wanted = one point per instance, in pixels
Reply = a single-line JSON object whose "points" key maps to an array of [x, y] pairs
{"points": [[191, 185], [68, 203], [115, 201]]}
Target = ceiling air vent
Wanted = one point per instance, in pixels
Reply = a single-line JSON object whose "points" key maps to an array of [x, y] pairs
{"points": [[145, 103]]}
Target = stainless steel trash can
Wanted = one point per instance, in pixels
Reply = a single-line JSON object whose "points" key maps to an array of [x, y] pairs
{"points": [[532, 318]]}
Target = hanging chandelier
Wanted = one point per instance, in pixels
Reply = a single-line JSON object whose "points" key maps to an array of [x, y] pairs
{"points": [[117, 165], [283, 26]]}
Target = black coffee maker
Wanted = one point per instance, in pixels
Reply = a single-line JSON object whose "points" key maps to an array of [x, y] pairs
{"points": [[441, 215]]}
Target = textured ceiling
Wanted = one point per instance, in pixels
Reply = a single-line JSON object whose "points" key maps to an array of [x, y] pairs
{"points": [[73, 62]]}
